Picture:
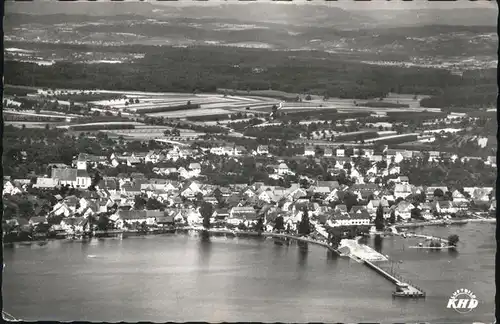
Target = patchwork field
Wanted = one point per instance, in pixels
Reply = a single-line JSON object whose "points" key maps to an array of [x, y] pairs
{"points": [[28, 124], [153, 134], [99, 126], [178, 105], [116, 107], [348, 105]]}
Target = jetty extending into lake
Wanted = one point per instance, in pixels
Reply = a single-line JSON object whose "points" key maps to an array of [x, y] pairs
{"points": [[446, 222], [403, 288], [363, 253], [432, 247], [429, 237], [394, 231]]}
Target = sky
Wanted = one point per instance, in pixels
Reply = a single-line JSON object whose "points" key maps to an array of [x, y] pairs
{"points": [[362, 5], [344, 4]]}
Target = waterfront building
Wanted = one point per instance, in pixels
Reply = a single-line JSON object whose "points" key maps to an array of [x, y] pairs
{"points": [[309, 151], [445, 207], [238, 215], [164, 220]]}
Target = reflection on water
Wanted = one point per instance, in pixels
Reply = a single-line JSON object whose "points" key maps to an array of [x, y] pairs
{"points": [[453, 253], [303, 253], [85, 246], [205, 245], [377, 243], [205, 236], [10, 246], [184, 278], [364, 240], [331, 255], [332, 259]]}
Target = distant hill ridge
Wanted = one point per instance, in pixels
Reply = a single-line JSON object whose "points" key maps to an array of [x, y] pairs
{"points": [[313, 15]]}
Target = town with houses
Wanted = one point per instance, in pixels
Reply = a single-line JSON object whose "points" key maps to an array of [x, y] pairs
{"points": [[81, 200], [229, 146]]}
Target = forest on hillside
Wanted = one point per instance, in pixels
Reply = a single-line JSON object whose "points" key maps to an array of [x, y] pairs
{"points": [[205, 69]]}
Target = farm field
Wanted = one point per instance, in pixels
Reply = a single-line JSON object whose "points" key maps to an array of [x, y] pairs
{"points": [[350, 104], [402, 138], [415, 145], [319, 142], [207, 104], [148, 132], [263, 93], [444, 130], [222, 104], [228, 121], [21, 124], [190, 113], [144, 136], [41, 114], [104, 124]]}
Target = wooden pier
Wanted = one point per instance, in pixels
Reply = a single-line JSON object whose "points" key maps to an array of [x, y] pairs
{"points": [[403, 287]]}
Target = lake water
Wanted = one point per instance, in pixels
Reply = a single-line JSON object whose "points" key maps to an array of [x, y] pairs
{"points": [[184, 278]]}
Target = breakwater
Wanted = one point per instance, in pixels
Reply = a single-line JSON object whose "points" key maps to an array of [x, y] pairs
{"points": [[432, 248], [483, 220], [429, 237]]}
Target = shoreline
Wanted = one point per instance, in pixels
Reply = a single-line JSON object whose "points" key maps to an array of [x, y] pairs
{"points": [[482, 220], [236, 233], [441, 223], [267, 234], [250, 233]]}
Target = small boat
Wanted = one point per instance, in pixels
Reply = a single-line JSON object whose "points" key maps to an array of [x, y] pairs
{"points": [[420, 244]]}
